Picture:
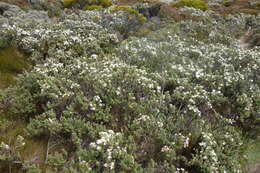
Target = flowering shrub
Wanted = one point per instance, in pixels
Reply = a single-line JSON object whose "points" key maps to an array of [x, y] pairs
{"points": [[180, 99]]}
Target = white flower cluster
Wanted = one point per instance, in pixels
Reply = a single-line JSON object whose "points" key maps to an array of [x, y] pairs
{"points": [[106, 138], [108, 143], [182, 139], [166, 149], [4, 146], [194, 11], [208, 152], [143, 118], [180, 170]]}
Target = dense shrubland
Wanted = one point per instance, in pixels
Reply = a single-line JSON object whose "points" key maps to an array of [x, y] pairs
{"points": [[182, 98]]}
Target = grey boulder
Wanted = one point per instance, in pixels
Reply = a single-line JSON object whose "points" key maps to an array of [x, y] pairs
{"points": [[8, 10]]}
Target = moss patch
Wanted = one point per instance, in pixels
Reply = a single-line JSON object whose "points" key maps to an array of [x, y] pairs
{"points": [[199, 4], [134, 12], [67, 3], [93, 7]]}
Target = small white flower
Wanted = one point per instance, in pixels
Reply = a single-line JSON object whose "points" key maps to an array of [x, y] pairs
{"points": [[98, 148], [50, 120], [165, 149], [112, 165], [5, 146], [186, 142]]}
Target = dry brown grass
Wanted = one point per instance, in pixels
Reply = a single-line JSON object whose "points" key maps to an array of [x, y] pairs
{"points": [[20, 3]]}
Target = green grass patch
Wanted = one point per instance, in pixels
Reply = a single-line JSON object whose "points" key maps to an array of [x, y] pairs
{"points": [[12, 62], [12, 131], [6, 79], [199, 4], [4, 123], [253, 155], [93, 7], [34, 148]]}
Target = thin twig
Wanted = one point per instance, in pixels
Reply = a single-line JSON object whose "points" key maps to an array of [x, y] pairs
{"points": [[47, 149], [11, 161]]}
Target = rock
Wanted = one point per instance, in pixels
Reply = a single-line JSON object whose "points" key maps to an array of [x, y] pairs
{"points": [[150, 11], [228, 3], [35, 1], [9, 10], [166, 1], [250, 40], [13, 14], [30, 17], [36, 16], [254, 41], [3, 21]]}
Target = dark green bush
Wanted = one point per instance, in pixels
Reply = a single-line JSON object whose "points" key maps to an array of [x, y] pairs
{"points": [[103, 3]]}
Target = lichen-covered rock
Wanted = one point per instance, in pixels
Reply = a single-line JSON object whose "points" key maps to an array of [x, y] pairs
{"points": [[36, 1], [13, 14], [3, 21], [31, 16], [8, 10]]}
